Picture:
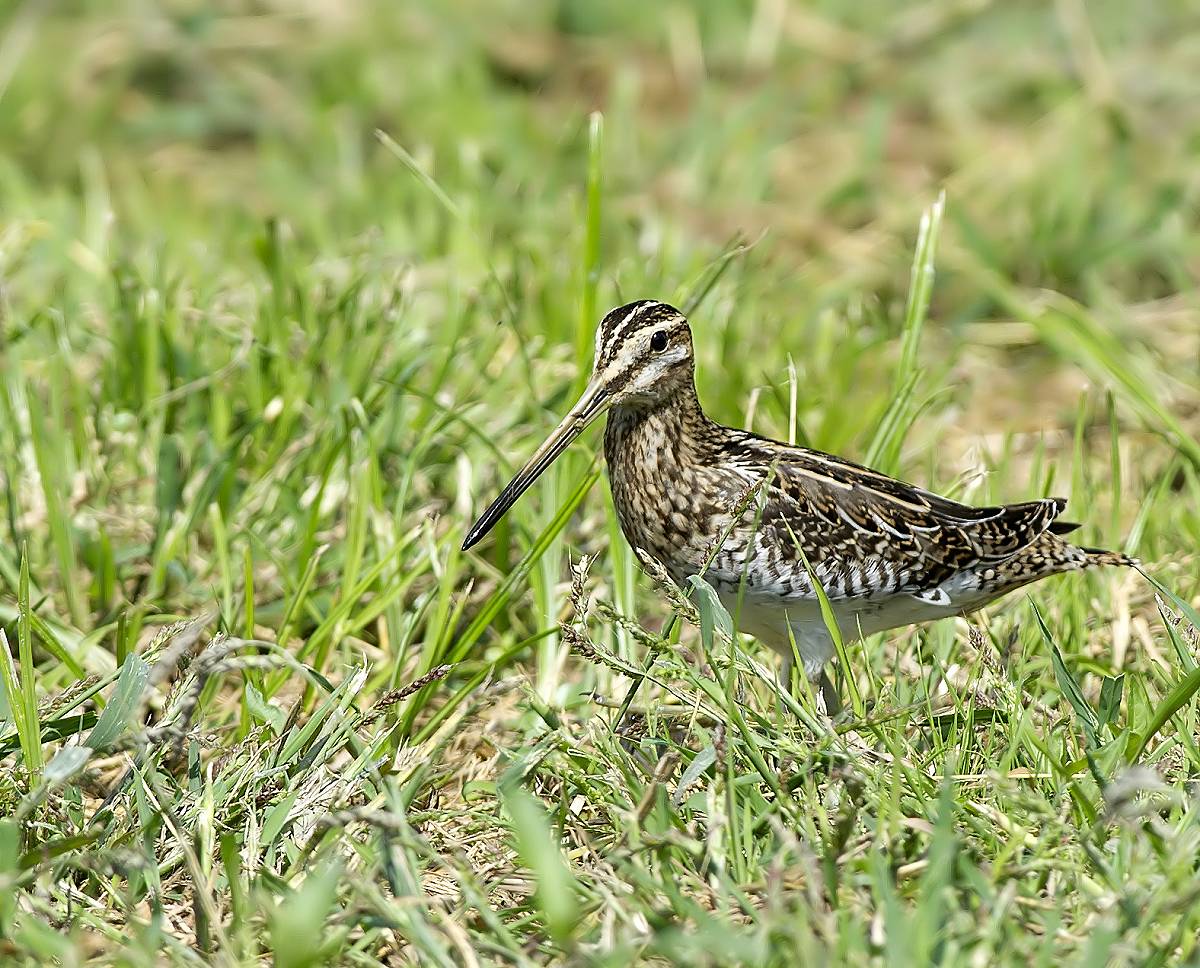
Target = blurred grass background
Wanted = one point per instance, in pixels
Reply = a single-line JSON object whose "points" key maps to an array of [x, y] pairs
{"points": [[287, 289]]}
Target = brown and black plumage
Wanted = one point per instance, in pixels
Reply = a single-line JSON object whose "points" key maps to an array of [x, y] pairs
{"points": [[698, 497]]}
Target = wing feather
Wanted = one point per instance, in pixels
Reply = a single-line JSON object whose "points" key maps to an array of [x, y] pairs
{"points": [[842, 511]]}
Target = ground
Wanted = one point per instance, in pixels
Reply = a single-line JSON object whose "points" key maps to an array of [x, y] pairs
{"points": [[287, 291]]}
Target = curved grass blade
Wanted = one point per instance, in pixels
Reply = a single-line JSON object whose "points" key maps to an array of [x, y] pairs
{"points": [[1174, 701]]}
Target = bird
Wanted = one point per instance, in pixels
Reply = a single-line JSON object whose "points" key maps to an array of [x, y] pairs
{"points": [[765, 523]]}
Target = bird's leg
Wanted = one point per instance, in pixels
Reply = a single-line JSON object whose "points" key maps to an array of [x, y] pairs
{"points": [[785, 673], [833, 704]]}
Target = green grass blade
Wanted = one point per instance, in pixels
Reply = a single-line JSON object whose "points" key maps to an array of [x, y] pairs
{"points": [[1066, 682], [920, 289], [1174, 701], [590, 268], [33, 745]]}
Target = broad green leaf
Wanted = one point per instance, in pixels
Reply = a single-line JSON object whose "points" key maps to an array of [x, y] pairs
{"points": [[700, 762], [537, 845], [298, 923], [1110, 699], [713, 614], [263, 711], [66, 763], [276, 817], [124, 704], [1068, 685]]}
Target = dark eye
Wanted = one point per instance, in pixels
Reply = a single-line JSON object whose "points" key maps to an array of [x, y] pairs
{"points": [[658, 342]]}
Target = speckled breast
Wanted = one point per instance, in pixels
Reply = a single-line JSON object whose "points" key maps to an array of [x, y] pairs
{"points": [[669, 503]]}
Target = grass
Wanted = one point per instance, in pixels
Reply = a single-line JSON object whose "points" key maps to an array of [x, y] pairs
{"points": [[286, 294]]}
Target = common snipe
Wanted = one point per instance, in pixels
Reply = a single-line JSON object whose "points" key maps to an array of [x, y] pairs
{"points": [[886, 553]]}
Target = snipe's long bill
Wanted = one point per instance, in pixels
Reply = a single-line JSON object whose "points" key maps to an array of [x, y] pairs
{"points": [[886, 553]]}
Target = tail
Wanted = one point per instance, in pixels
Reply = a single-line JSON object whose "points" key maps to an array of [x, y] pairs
{"points": [[1050, 555], [1098, 558], [1069, 557]]}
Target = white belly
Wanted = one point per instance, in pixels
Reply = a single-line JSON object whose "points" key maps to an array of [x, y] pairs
{"points": [[777, 624]]}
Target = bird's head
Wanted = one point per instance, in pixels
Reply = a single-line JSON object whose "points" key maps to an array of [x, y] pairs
{"points": [[643, 356]]}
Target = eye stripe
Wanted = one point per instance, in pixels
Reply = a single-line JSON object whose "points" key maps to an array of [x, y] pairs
{"points": [[621, 330], [615, 321], [632, 319]]}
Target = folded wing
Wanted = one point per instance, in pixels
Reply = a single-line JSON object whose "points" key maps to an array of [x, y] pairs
{"points": [[868, 534]]}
